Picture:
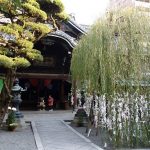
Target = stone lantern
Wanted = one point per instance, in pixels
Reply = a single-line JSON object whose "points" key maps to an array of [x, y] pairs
{"points": [[16, 100]]}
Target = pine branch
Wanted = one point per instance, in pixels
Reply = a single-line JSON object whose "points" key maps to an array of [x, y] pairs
{"points": [[54, 22]]}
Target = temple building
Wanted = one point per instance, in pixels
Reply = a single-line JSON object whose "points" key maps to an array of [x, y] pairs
{"points": [[52, 76]]}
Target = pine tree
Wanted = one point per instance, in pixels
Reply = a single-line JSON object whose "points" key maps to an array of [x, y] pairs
{"points": [[22, 23]]}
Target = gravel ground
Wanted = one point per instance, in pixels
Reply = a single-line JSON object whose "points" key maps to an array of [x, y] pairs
{"points": [[101, 139]]}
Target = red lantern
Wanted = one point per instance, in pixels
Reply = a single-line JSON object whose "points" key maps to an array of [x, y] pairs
{"points": [[47, 82], [34, 82]]}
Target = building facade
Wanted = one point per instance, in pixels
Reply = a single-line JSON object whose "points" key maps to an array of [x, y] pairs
{"points": [[52, 76]]}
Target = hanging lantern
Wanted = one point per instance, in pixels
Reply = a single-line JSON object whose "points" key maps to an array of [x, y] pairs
{"points": [[47, 82], [34, 82]]}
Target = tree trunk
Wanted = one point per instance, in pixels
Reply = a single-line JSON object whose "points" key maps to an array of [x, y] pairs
{"points": [[90, 119], [6, 92]]}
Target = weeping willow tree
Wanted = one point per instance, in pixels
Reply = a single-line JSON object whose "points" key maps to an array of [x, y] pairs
{"points": [[113, 60], [115, 53], [22, 24]]}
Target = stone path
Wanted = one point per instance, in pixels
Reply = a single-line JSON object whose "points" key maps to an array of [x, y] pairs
{"points": [[55, 135], [50, 132]]}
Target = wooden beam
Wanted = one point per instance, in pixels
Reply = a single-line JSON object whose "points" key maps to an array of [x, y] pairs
{"points": [[43, 76]]}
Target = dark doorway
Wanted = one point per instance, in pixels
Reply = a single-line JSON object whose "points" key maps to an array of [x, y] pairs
{"points": [[37, 88]]}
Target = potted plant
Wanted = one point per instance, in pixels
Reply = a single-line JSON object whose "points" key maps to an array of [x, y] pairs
{"points": [[11, 120]]}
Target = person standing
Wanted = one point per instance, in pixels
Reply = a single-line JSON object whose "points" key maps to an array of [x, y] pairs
{"points": [[50, 103]]}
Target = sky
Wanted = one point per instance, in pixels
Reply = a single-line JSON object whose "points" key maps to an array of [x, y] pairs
{"points": [[85, 11]]}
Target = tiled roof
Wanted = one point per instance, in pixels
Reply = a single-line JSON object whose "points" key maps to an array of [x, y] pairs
{"points": [[62, 35]]}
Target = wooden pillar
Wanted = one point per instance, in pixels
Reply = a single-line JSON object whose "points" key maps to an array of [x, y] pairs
{"points": [[62, 101], [62, 91]]}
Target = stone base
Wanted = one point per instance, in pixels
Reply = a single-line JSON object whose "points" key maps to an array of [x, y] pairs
{"points": [[12, 128], [80, 118], [18, 114], [21, 123]]}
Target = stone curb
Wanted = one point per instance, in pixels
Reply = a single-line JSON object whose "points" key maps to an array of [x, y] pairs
{"points": [[36, 136], [83, 137]]}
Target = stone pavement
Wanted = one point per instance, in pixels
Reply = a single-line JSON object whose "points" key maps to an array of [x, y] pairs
{"points": [[21, 139], [50, 132]]}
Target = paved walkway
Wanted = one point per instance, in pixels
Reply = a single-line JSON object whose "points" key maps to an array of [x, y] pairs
{"points": [[50, 133], [21, 139]]}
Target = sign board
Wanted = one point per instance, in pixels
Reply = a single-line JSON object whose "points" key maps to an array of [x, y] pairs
{"points": [[1, 84]]}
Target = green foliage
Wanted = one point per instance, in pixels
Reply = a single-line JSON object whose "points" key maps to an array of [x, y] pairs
{"points": [[35, 12], [24, 43], [55, 10], [20, 62], [39, 27], [62, 16], [34, 56], [3, 1], [20, 32], [31, 54], [28, 35], [11, 121], [59, 4], [22, 24], [51, 6], [17, 3], [24, 51], [9, 6], [16, 27], [6, 61], [8, 30], [34, 3], [112, 60], [9, 62], [4, 51], [11, 118], [23, 28], [115, 51]]}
